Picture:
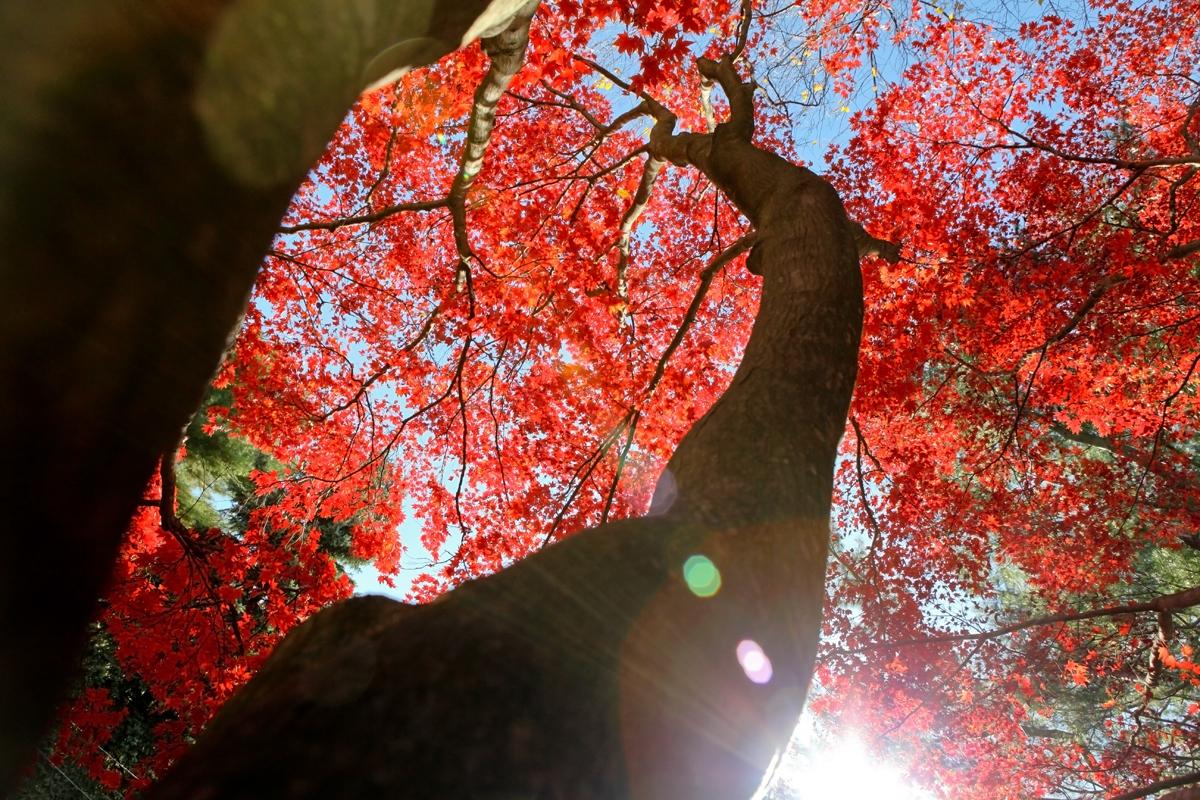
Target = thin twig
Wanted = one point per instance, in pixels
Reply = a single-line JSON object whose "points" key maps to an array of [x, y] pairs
{"points": [[706, 278]]}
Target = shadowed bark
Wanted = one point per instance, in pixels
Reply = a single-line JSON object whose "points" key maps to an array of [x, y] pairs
{"points": [[590, 671], [147, 152]]}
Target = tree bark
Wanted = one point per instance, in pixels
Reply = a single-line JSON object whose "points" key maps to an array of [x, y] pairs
{"points": [[147, 152], [591, 671]]}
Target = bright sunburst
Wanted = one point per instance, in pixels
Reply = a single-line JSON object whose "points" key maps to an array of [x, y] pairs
{"points": [[821, 768]]}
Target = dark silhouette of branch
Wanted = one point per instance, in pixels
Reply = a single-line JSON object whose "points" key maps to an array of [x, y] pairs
{"points": [[192, 550], [364, 219], [1162, 604], [706, 278], [1166, 783], [1184, 250]]}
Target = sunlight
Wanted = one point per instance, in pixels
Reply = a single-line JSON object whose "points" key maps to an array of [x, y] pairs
{"points": [[840, 768]]}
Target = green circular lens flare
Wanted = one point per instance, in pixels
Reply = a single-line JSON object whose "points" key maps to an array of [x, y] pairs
{"points": [[701, 576]]}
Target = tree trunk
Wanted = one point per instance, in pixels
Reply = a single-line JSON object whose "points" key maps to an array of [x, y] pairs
{"points": [[147, 152], [591, 671]]}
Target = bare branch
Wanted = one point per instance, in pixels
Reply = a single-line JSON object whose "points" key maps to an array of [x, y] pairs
{"points": [[1167, 783], [870, 245], [583, 472], [629, 421], [743, 31], [166, 502], [621, 459], [1163, 603], [1185, 127], [569, 101], [860, 448], [706, 81], [706, 278], [710, 118], [379, 373], [624, 118], [364, 219], [1027, 142], [624, 84], [507, 53], [739, 94]]}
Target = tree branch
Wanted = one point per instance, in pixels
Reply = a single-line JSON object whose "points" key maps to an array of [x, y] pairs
{"points": [[166, 501], [624, 84], [710, 118], [364, 219], [507, 53], [1163, 603], [706, 278], [630, 421], [1136, 165], [426, 327], [1184, 250], [636, 207], [1167, 783], [169, 519], [1085, 307], [743, 31]]}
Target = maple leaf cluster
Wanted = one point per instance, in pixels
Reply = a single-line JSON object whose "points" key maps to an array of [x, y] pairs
{"points": [[1021, 446], [1023, 440]]}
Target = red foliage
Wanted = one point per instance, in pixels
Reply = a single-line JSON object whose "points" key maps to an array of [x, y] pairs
{"points": [[1026, 396]]}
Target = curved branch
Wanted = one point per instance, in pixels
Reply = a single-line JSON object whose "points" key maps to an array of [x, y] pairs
{"points": [[507, 53], [640, 199]]}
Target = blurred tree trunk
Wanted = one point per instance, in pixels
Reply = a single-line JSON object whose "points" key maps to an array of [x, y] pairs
{"points": [[147, 151]]}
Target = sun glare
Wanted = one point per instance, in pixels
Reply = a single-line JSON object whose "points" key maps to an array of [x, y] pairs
{"points": [[839, 768]]}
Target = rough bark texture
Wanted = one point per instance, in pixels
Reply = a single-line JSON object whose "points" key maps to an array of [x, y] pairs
{"points": [[131, 236], [590, 671], [506, 51]]}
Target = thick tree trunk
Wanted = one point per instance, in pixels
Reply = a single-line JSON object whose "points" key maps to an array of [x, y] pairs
{"points": [[591, 670], [147, 152]]}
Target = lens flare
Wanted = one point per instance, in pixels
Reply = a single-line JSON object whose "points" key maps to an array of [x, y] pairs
{"points": [[702, 576], [754, 661]]}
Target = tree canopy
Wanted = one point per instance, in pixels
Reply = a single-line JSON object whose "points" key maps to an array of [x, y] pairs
{"points": [[492, 310]]}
